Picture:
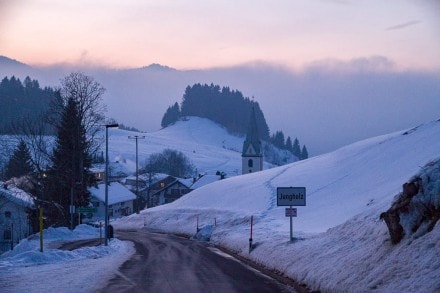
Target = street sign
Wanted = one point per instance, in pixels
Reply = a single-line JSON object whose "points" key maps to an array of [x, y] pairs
{"points": [[291, 196], [86, 210], [291, 212]]}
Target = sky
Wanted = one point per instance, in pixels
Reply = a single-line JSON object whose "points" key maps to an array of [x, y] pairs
{"points": [[329, 72], [203, 34]]}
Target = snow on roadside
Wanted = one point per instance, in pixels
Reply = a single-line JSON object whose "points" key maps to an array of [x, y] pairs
{"points": [[82, 270], [340, 243]]}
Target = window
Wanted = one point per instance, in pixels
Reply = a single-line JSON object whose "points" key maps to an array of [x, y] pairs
{"points": [[175, 192], [250, 163], [8, 214]]}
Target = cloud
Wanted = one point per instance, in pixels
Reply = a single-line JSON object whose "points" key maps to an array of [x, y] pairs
{"points": [[363, 64], [403, 25]]}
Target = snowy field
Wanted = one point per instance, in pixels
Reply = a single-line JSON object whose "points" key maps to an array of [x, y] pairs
{"points": [[340, 245], [209, 146]]}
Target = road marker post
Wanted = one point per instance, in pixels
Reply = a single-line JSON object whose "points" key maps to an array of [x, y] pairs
{"points": [[250, 238]]}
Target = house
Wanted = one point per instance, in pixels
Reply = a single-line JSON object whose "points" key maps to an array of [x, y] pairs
{"points": [[130, 182], [15, 205], [120, 201], [168, 190], [116, 170]]}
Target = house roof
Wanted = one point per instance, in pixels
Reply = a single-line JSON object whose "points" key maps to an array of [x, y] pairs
{"points": [[204, 180], [116, 193], [114, 169], [171, 181], [16, 195]]}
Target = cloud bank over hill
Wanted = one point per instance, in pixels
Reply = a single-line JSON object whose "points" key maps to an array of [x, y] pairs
{"points": [[328, 104]]}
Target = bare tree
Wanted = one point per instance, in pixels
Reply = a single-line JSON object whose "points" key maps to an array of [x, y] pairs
{"points": [[87, 93]]}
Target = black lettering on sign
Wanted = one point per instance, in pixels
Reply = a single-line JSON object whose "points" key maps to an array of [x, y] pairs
{"points": [[291, 197]]}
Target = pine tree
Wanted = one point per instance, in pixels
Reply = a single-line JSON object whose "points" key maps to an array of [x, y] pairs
{"points": [[171, 115], [296, 148], [20, 163], [70, 165], [304, 153], [289, 145], [278, 139]]}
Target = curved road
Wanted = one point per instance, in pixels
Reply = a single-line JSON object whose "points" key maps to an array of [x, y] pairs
{"points": [[167, 263]]}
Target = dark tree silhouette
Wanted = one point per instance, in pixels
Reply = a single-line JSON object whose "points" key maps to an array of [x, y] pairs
{"points": [[20, 162], [69, 173], [170, 162]]}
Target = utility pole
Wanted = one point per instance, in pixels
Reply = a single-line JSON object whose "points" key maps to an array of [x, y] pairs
{"points": [[136, 137], [107, 126]]}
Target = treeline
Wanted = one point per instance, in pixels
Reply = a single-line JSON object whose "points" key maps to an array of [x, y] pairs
{"points": [[294, 147], [22, 100], [222, 105], [230, 109]]}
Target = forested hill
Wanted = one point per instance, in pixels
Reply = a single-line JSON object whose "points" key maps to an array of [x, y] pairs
{"points": [[22, 101], [232, 110], [222, 105]]}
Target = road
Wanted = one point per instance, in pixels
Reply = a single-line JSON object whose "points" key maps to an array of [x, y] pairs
{"points": [[167, 263]]}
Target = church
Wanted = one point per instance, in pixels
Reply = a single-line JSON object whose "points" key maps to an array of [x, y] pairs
{"points": [[252, 155]]}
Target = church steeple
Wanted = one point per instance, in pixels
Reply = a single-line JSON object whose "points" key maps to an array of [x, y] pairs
{"points": [[252, 154]]}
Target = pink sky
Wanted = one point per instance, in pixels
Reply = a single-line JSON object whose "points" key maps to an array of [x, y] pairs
{"points": [[201, 34]]}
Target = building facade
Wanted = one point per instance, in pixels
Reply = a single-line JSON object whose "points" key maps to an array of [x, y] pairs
{"points": [[15, 206]]}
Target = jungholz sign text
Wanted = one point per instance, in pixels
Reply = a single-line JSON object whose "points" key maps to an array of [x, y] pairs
{"points": [[291, 196]]}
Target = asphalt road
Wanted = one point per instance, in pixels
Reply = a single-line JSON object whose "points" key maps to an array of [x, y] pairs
{"points": [[167, 263]]}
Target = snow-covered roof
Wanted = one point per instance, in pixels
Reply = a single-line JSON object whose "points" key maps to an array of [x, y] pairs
{"points": [[116, 193], [15, 194], [114, 168], [205, 180], [187, 182]]}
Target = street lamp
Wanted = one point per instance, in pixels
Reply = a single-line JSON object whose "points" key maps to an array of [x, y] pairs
{"points": [[136, 137], [107, 126]]}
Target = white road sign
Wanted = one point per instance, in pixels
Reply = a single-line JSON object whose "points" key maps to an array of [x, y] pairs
{"points": [[291, 212], [291, 196]]}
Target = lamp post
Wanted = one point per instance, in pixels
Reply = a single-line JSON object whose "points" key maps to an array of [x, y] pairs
{"points": [[136, 137], [107, 126]]}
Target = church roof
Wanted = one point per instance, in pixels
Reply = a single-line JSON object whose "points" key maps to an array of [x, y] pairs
{"points": [[252, 145]]}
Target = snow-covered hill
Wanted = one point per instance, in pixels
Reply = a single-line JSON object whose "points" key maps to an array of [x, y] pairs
{"points": [[208, 145], [340, 243]]}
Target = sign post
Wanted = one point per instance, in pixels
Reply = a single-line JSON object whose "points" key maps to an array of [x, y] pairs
{"points": [[291, 196]]}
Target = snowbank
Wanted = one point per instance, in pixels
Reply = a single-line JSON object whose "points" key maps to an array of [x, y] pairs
{"points": [[340, 242], [26, 269]]}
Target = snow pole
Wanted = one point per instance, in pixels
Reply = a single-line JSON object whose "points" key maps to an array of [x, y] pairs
{"points": [[250, 238], [291, 230], [197, 223]]}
